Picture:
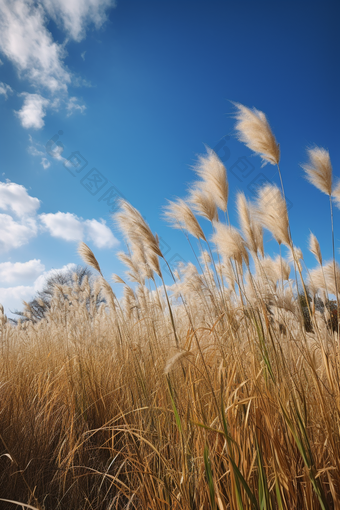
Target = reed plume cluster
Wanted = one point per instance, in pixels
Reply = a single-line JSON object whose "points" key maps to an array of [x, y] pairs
{"points": [[218, 390]]}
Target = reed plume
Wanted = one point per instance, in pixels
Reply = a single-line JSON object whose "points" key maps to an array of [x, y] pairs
{"points": [[314, 247], [251, 229], [181, 216], [203, 201], [135, 228], [272, 213], [214, 174], [88, 257], [318, 170], [230, 244], [254, 131]]}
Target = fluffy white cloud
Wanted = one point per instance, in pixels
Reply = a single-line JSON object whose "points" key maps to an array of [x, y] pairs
{"points": [[69, 227], [14, 234], [5, 89], [75, 15], [66, 226], [15, 197], [100, 234], [25, 40], [33, 111], [12, 297], [19, 272]]}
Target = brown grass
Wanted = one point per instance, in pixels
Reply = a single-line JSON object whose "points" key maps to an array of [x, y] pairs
{"points": [[204, 395]]}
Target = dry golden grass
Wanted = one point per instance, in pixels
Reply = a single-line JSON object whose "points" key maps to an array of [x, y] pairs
{"points": [[209, 394]]}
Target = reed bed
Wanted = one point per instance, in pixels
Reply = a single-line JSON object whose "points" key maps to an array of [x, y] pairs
{"points": [[219, 391]]}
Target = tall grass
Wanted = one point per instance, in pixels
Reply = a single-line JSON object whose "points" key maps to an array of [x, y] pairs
{"points": [[209, 393]]}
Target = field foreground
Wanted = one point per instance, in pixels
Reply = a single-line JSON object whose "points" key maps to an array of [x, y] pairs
{"points": [[221, 391]]}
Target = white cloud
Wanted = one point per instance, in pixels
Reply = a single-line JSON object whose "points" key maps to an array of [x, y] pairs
{"points": [[5, 89], [83, 55], [12, 297], [14, 234], [19, 272], [25, 40], [36, 152], [69, 227], [100, 234], [76, 15], [41, 280], [73, 106], [45, 163], [33, 111], [66, 226], [15, 197]]}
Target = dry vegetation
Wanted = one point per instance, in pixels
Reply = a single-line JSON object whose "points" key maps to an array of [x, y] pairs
{"points": [[220, 391]]}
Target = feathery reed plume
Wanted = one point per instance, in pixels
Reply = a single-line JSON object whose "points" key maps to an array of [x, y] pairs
{"points": [[211, 169], [319, 169], [88, 256], [336, 194], [181, 216], [203, 202], [254, 131], [230, 244], [127, 260], [332, 277], [227, 271], [153, 262], [271, 271], [133, 226], [250, 228], [320, 173], [175, 359], [323, 278], [108, 293], [117, 279], [314, 247], [295, 255], [140, 259], [272, 213]]}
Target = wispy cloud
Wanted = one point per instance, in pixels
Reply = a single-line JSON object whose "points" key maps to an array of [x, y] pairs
{"points": [[5, 89], [74, 16], [26, 41], [73, 106]]}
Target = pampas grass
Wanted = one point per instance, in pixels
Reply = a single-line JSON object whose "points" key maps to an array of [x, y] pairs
{"points": [[272, 213], [214, 175], [318, 170], [219, 390], [314, 248], [254, 131]]}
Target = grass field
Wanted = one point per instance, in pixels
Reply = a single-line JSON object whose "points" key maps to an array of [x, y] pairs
{"points": [[221, 391]]}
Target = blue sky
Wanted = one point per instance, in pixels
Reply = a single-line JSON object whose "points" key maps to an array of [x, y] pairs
{"points": [[132, 91]]}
